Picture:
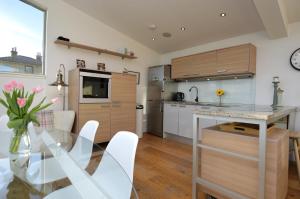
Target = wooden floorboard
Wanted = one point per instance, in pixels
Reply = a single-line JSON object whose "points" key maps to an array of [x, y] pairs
{"points": [[163, 170]]}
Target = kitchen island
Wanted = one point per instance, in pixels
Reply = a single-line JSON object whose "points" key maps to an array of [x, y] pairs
{"points": [[251, 114]]}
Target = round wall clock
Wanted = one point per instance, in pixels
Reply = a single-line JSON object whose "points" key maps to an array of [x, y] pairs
{"points": [[295, 59]]}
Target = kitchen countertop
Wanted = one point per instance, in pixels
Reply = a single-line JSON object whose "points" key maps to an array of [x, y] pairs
{"points": [[247, 111], [214, 104]]}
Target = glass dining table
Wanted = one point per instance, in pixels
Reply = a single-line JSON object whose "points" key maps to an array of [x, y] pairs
{"points": [[85, 170]]}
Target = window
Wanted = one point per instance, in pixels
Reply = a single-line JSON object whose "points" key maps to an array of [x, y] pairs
{"points": [[29, 69], [22, 39]]}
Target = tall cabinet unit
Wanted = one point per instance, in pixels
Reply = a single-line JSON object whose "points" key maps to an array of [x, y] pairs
{"points": [[123, 95], [117, 115]]}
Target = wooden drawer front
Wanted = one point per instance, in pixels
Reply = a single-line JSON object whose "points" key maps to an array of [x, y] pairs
{"points": [[202, 64], [123, 117], [100, 113], [242, 175], [233, 60], [123, 88]]}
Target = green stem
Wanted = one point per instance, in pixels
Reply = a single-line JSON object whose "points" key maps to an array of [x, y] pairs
{"points": [[15, 142]]}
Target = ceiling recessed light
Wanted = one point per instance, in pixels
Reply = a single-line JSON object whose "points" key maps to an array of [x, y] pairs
{"points": [[153, 38], [183, 28], [223, 14], [152, 27]]}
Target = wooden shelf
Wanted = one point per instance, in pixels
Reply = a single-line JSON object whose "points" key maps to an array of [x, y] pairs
{"points": [[99, 50]]}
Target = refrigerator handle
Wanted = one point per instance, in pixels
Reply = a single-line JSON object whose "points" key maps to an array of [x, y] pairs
{"points": [[163, 86], [161, 107]]}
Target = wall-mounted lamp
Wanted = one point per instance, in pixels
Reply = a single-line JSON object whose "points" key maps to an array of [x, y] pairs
{"points": [[60, 81]]}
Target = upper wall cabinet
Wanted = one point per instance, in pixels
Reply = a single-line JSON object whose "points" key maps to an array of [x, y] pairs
{"points": [[202, 64], [235, 60]]}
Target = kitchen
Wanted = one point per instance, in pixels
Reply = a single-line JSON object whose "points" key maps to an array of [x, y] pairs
{"points": [[186, 80], [186, 120]]}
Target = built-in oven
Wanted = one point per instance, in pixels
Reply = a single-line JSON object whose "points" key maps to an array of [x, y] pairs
{"points": [[95, 86]]}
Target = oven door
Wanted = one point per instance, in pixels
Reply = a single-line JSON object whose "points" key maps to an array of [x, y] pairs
{"points": [[95, 88]]}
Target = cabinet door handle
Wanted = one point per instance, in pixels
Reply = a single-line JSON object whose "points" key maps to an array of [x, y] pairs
{"points": [[174, 105], [221, 71], [105, 106], [186, 75], [182, 106]]}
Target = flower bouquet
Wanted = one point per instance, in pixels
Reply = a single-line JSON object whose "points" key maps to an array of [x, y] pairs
{"points": [[18, 103], [220, 93]]}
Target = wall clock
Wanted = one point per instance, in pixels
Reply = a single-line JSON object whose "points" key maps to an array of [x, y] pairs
{"points": [[295, 59]]}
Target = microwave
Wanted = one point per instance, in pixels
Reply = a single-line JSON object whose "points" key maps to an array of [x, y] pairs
{"points": [[95, 86]]}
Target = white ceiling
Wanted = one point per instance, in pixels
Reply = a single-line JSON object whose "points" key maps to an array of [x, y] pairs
{"points": [[293, 10], [200, 17]]}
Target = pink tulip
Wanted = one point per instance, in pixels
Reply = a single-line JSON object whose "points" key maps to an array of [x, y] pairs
{"points": [[37, 89], [21, 102], [20, 86], [14, 84], [8, 87], [54, 100]]}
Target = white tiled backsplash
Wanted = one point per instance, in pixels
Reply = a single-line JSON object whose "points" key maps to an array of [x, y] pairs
{"points": [[236, 91]]}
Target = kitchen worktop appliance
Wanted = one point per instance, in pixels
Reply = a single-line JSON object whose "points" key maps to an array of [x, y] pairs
{"points": [[179, 97]]}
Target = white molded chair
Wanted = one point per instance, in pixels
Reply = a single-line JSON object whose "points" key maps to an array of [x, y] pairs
{"points": [[5, 135], [3, 122], [123, 148], [63, 120], [88, 131], [108, 176], [45, 171]]}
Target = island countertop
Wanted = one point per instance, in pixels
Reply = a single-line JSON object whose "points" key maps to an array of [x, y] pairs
{"points": [[258, 112], [252, 114]]}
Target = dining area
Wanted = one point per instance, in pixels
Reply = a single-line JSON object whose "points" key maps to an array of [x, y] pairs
{"points": [[55, 163]]}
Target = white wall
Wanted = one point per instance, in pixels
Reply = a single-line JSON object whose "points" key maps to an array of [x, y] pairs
{"points": [[272, 60], [65, 20]]}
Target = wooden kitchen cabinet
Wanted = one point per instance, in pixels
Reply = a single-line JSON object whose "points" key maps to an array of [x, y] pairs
{"points": [[123, 95], [117, 115], [236, 60], [123, 88], [123, 116], [100, 113], [202, 64], [241, 175]]}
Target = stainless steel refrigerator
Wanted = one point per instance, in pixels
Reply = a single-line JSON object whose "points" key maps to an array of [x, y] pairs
{"points": [[160, 88]]}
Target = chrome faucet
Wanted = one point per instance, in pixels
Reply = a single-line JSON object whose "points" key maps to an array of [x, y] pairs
{"points": [[197, 98], [277, 91]]}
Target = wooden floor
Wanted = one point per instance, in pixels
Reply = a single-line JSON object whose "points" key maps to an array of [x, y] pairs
{"points": [[163, 170]]}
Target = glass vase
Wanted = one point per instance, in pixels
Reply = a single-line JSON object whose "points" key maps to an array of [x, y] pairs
{"points": [[220, 100], [20, 149]]}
